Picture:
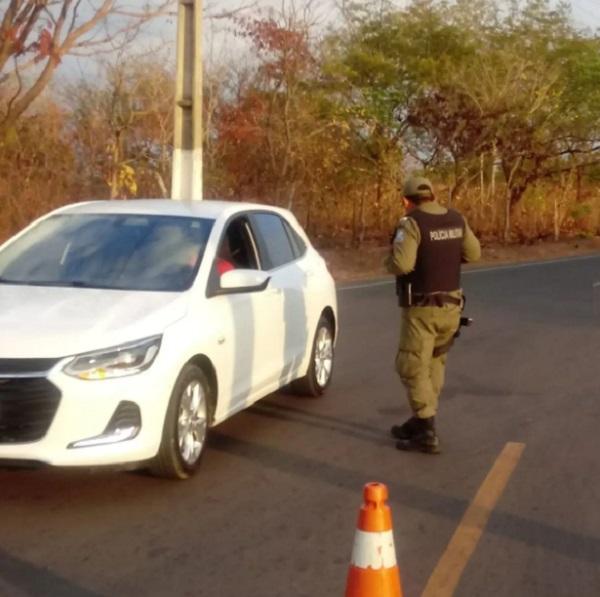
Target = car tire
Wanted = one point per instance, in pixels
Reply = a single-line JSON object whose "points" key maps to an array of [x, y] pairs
{"points": [[320, 370], [185, 430]]}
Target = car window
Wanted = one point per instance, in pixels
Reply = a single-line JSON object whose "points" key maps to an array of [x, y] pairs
{"points": [[237, 249], [298, 244], [274, 242], [113, 251]]}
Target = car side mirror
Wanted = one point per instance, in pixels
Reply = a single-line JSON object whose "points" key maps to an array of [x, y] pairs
{"points": [[243, 280]]}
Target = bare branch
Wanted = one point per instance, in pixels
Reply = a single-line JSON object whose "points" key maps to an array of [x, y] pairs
{"points": [[18, 67], [19, 88], [75, 16], [228, 14], [146, 14], [9, 14], [67, 30], [91, 23]]}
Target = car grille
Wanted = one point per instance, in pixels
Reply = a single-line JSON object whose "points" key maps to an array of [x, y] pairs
{"points": [[29, 366], [27, 408]]}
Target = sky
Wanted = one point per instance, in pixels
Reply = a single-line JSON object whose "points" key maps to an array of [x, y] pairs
{"points": [[586, 14], [220, 44]]}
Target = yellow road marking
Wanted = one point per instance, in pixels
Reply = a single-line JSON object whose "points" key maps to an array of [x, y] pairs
{"points": [[447, 573]]}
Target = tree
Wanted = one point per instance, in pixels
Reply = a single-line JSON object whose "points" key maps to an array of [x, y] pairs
{"points": [[468, 79], [286, 65], [123, 128], [36, 35], [37, 168], [384, 67]]}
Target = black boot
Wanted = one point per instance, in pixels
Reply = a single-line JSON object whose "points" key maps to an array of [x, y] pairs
{"points": [[424, 439], [406, 430]]}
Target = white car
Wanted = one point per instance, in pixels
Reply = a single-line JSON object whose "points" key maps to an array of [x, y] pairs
{"points": [[129, 328]]}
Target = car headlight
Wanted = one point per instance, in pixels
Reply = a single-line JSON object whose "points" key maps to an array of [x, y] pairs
{"points": [[121, 361]]}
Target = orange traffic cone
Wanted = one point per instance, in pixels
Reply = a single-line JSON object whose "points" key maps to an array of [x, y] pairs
{"points": [[373, 570]]}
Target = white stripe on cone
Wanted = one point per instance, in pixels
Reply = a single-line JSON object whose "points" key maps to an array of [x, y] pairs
{"points": [[374, 550]]}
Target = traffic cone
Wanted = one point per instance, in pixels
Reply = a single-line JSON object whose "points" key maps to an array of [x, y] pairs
{"points": [[373, 570]]}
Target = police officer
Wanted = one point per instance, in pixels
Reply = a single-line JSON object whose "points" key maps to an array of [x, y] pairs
{"points": [[427, 250]]}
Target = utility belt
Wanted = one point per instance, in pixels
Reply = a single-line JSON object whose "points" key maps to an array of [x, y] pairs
{"points": [[408, 298], [434, 299]]}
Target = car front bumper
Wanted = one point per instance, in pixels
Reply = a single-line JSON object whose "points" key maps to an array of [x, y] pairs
{"points": [[84, 412]]}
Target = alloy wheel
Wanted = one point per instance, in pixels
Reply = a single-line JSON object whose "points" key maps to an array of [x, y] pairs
{"points": [[192, 422], [323, 356]]}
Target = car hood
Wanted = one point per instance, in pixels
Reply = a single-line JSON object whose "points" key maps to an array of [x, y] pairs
{"points": [[49, 322]]}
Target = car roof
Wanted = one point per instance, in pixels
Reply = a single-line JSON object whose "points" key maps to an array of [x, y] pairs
{"points": [[207, 208]]}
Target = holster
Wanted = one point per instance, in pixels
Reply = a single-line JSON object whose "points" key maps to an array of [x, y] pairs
{"points": [[403, 291], [438, 351]]}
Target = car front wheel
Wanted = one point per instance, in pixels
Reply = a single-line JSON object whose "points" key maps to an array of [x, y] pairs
{"points": [[320, 370], [186, 426]]}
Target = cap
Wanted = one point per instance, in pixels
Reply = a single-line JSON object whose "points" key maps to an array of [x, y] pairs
{"points": [[417, 186]]}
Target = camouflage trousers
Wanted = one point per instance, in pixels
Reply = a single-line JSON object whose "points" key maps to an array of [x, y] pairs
{"points": [[422, 329]]}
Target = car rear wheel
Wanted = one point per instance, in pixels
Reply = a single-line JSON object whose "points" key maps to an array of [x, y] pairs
{"points": [[320, 370], [185, 430]]}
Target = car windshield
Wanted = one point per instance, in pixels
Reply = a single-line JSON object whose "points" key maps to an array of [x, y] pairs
{"points": [[114, 251]]}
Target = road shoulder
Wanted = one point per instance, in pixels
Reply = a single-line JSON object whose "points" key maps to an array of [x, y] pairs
{"points": [[366, 264]]}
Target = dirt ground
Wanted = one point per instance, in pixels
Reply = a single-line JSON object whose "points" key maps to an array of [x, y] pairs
{"points": [[361, 264]]}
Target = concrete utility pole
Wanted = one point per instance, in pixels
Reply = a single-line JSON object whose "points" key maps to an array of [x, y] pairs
{"points": [[187, 154]]}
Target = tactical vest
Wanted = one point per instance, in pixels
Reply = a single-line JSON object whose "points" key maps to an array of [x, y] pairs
{"points": [[439, 257]]}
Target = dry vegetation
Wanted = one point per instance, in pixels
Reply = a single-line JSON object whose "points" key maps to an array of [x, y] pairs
{"points": [[499, 108]]}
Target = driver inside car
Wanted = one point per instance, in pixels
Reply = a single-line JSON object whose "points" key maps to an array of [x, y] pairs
{"points": [[224, 259]]}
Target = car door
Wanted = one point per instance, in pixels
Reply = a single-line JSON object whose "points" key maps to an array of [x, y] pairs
{"points": [[251, 320], [281, 256]]}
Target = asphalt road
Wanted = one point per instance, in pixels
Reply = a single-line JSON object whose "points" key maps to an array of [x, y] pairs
{"points": [[273, 510]]}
